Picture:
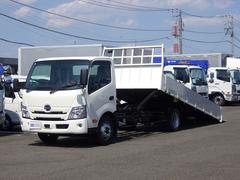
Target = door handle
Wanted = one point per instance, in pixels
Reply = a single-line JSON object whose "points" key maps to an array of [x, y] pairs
{"points": [[111, 98], [216, 83]]}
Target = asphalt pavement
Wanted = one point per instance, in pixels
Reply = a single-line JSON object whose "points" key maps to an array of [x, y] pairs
{"points": [[202, 150]]}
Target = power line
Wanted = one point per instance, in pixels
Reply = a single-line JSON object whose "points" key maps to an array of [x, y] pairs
{"points": [[15, 42], [35, 31], [88, 22], [207, 42], [121, 7], [82, 37], [198, 16], [145, 7], [202, 32], [211, 42], [237, 39]]}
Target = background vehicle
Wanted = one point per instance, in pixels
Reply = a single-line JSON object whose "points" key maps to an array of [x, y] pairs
{"points": [[224, 84], [13, 104], [192, 77], [28, 55], [233, 63], [62, 98], [2, 96]]}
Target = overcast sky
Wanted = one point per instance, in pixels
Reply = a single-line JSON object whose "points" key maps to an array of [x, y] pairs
{"points": [[132, 14]]}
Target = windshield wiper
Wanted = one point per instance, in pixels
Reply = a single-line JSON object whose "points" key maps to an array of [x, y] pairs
{"points": [[63, 87]]}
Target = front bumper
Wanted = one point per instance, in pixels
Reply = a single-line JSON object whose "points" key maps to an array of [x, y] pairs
{"points": [[233, 97], [55, 127]]}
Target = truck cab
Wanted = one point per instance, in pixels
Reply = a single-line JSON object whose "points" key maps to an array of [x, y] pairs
{"points": [[192, 77], [62, 98], [224, 84]]}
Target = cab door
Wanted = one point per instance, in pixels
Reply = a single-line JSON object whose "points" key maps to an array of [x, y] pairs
{"points": [[101, 91], [223, 81]]}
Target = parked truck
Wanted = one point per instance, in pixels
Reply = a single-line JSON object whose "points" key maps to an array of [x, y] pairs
{"points": [[233, 63], [92, 95], [28, 55], [223, 82], [191, 76], [224, 85]]}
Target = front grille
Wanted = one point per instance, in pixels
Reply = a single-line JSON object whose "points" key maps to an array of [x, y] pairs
{"points": [[61, 126], [48, 119], [52, 112]]}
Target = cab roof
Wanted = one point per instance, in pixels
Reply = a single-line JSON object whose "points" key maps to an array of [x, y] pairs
{"points": [[182, 66], [90, 58]]}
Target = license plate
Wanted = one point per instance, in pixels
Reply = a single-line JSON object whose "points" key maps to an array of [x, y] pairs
{"points": [[35, 125]]}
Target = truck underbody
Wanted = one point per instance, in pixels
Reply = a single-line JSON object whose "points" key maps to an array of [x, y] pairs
{"points": [[147, 106]]}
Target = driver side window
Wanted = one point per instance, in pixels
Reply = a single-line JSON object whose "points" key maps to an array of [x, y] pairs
{"points": [[100, 75], [181, 74]]}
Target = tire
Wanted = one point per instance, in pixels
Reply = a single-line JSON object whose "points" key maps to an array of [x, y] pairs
{"points": [[174, 120], [107, 131], [218, 99], [48, 138], [7, 124]]}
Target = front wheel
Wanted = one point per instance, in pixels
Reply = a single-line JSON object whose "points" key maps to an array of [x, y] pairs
{"points": [[48, 138], [218, 99], [174, 119], [107, 132]]}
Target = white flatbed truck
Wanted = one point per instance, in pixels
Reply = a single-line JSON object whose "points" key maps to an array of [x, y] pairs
{"points": [[84, 95]]}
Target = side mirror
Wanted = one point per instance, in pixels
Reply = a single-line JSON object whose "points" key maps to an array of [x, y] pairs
{"points": [[16, 85], [211, 80], [83, 77], [211, 75], [185, 79]]}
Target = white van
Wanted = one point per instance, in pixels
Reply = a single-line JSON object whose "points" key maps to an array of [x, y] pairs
{"points": [[13, 104]]}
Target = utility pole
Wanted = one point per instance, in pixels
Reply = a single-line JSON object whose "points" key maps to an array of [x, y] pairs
{"points": [[177, 32], [229, 30], [180, 29]]}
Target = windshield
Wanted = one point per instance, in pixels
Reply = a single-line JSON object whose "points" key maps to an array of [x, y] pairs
{"points": [[198, 77], [56, 74], [235, 74]]}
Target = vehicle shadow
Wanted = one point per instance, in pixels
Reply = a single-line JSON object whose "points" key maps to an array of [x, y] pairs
{"points": [[14, 131], [230, 104], [124, 135]]}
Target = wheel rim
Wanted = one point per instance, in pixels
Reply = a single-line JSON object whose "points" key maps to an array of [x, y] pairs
{"points": [[106, 131], [175, 120], [218, 100]]}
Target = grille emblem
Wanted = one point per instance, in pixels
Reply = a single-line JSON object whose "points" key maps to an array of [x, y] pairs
{"points": [[47, 107]]}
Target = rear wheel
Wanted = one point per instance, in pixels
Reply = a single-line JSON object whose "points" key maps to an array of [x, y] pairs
{"points": [[174, 119], [107, 132], [48, 138], [218, 99]]}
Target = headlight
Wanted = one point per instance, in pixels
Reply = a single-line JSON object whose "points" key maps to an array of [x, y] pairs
{"points": [[25, 113], [79, 112]]}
